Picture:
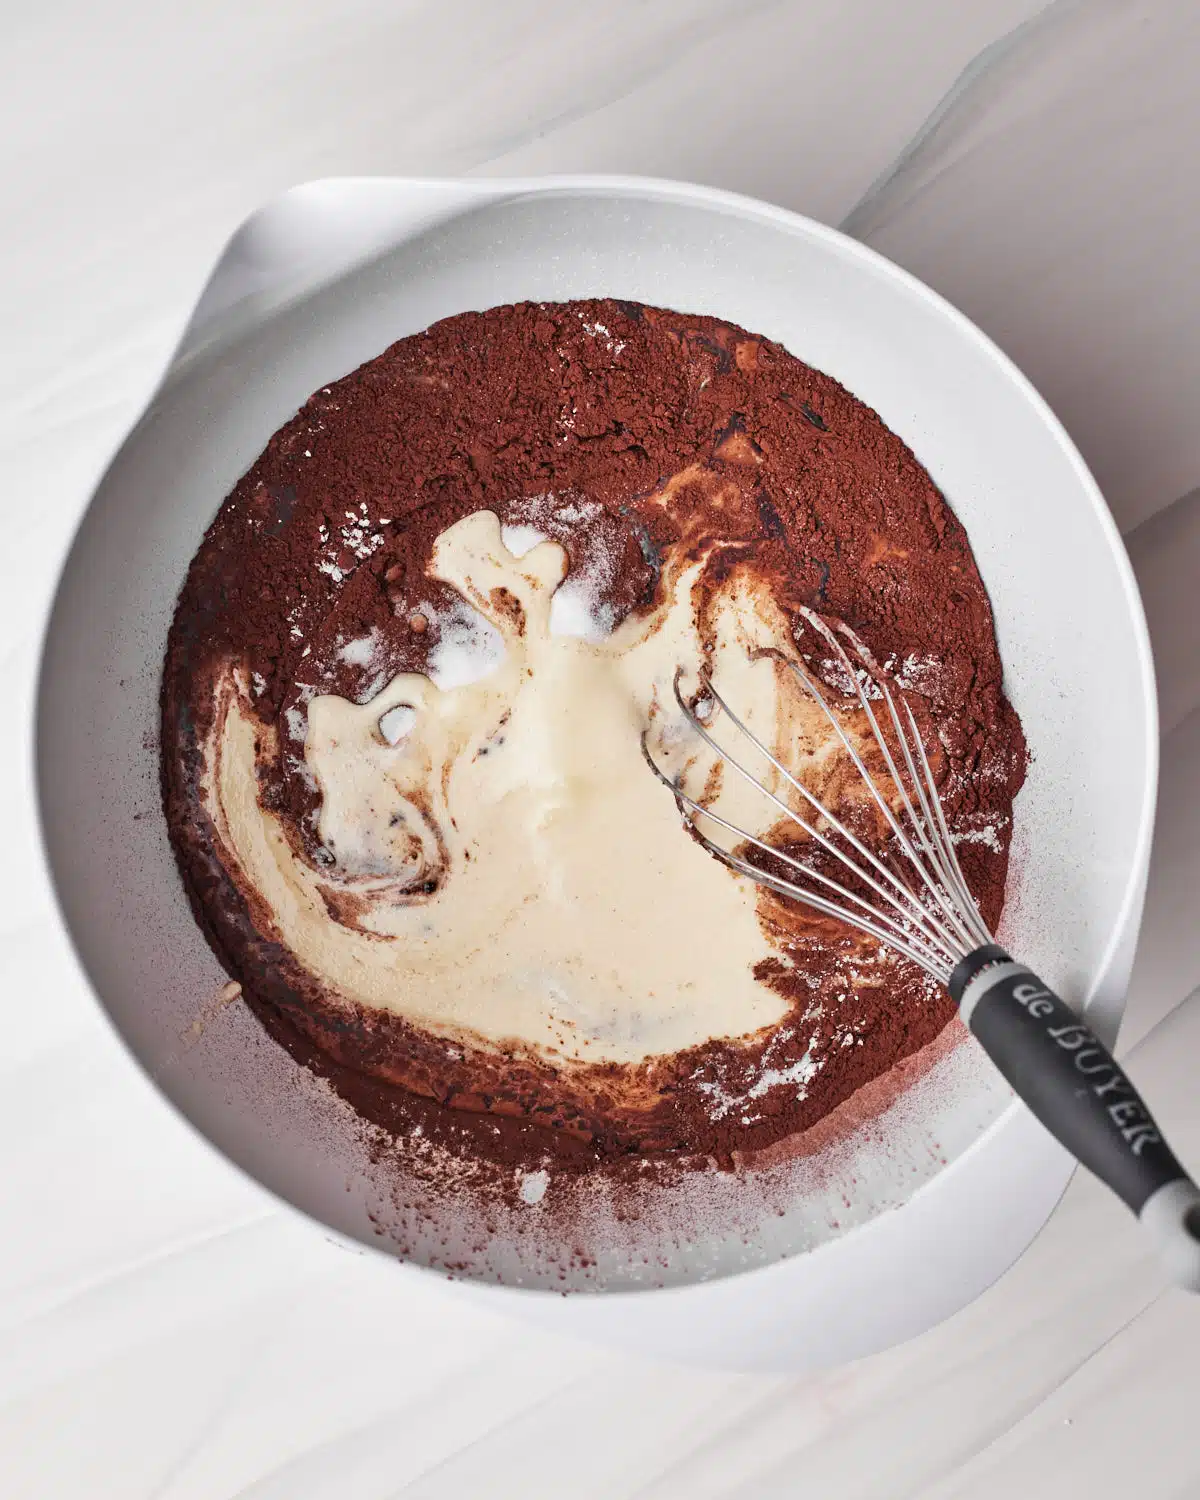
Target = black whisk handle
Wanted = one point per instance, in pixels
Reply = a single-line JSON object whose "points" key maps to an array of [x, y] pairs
{"points": [[1072, 1083]]}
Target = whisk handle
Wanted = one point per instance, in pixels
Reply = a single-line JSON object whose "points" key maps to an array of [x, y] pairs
{"points": [[1072, 1083]]}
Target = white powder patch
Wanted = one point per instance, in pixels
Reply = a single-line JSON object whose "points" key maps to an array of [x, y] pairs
{"points": [[521, 539], [866, 682], [297, 723], [721, 1102], [579, 606], [577, 610], [469, 648], [361, 652], [357, 534], [920, 673], [833, 672], [798, 1074], [397, 722], [988, 835], [600, 331], [375, 685], [570, 513], [533, 1187]]}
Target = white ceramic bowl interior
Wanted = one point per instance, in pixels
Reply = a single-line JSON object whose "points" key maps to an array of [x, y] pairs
{"points": [[950, 1186]]}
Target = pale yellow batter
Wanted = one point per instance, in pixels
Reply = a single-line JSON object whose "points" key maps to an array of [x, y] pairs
{"points": [[570, 914]]}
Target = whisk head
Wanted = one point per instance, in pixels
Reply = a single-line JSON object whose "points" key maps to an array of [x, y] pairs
{"points": [[913, 896]]}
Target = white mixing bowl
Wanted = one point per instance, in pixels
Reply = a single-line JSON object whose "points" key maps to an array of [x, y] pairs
{"points": [[955, 1181]]}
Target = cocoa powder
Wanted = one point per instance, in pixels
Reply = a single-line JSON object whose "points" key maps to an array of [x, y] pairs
{"points": [[684, 429]]}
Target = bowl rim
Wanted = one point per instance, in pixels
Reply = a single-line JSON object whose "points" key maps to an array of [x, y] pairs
{"points": [[466, 193]]}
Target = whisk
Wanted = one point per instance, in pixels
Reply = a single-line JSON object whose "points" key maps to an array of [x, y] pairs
{"points": [[915, 900]]}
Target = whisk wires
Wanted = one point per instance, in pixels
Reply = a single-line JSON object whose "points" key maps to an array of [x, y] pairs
{"points": [[923, 909]]}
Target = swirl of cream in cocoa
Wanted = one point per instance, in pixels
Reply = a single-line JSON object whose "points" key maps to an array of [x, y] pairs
{"points": [[504, 868]]}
